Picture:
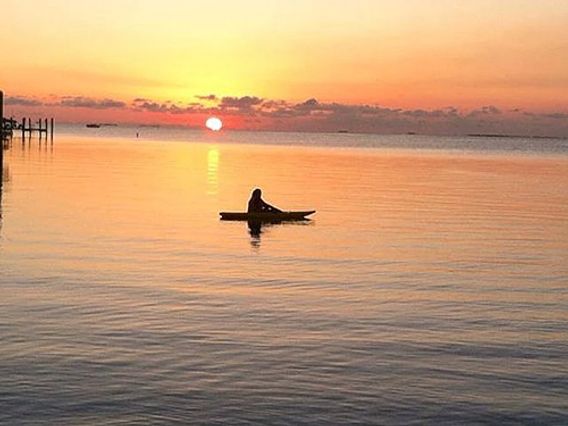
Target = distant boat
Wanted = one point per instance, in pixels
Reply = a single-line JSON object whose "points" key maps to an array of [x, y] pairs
{"points": [[93, 126]]}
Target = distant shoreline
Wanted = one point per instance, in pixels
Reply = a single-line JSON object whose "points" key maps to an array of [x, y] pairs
{"points": [[499, 135], [338, 132]]}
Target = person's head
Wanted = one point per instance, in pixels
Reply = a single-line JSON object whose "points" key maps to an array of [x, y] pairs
{"points": [[256, 193]]}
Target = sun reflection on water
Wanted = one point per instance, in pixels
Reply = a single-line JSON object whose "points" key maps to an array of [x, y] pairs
{"points": [[212, 171]]}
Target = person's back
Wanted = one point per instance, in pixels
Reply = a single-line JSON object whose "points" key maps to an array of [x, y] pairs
{"points": [[257, 205]]}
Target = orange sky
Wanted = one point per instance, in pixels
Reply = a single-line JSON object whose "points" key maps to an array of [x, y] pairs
{"points": [[400, 54]]}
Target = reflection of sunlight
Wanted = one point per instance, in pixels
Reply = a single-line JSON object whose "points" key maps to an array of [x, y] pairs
{"points": [[212, 171]]}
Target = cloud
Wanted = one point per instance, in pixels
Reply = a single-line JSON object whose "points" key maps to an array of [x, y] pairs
{"points": [[313, 115], [22, 101], [309, 105], [168, 107], [245, 103], [486, 110], [142, 104], [83, 102], [207, 97], [312, 107]]}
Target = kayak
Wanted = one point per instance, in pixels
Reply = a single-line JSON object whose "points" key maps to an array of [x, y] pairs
{"points": [[267, 216]]}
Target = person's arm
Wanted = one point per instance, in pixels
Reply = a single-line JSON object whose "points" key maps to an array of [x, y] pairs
{"points": [[267, 207]]}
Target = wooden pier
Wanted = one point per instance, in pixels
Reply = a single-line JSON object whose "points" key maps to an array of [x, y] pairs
{"points": [[41, 127], [10, 126]]}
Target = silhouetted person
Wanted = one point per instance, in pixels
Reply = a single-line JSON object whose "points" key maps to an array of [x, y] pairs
{"points": [[257, 205]]}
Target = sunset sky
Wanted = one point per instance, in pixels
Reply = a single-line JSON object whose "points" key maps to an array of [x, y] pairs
{"points": [[440, 66]]}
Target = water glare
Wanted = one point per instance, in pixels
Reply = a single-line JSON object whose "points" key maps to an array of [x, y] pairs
{"points": [[430, 287]]}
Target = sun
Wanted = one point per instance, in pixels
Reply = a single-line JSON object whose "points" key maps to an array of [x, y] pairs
{"points": [[214, 123]]}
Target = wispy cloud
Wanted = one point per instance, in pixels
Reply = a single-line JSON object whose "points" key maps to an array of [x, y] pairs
{"points": [[22, 101], [84, 102], [207, 97], [243, 105], [485, 110]]}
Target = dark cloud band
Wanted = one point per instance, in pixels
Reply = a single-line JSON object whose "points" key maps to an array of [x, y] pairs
{"points": [[313, 115]]}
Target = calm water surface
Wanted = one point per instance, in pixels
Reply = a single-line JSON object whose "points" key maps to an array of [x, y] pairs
{"points": [[430, 288]]}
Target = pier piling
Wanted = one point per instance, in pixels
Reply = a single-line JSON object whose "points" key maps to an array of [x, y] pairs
{"points": [[1, 133], [27, 127]]}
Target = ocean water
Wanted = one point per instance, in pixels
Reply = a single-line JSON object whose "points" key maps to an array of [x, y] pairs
{"points": [[431, 286]]}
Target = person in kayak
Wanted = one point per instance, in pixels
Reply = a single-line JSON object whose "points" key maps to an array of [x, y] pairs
{"points": [[257, 205]]}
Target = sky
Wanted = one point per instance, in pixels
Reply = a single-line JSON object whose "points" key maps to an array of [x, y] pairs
{"points": [[430, 66]]}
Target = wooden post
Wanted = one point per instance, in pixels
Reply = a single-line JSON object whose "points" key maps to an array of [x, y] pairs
{"points": [[1, 115], [1, 147], [1, 111], [51, 129]]}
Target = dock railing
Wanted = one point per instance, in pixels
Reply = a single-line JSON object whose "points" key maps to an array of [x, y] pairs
{"points": [[8, 126]]}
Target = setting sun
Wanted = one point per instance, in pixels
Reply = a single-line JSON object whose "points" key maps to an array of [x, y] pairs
{"points": [[214, 123]]}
